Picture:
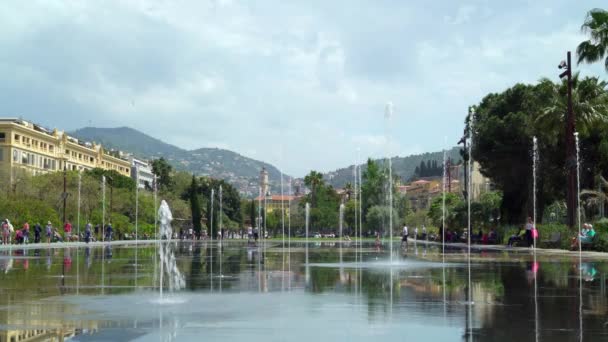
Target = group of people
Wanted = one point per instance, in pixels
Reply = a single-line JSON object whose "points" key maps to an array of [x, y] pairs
{"points": [[586, 236], [50, 233]]}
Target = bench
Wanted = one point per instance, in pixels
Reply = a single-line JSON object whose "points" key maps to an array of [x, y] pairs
{"points": [[591, 244], [554, 240]]}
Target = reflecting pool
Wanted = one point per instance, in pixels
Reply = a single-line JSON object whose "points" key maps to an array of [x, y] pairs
{"points": [[269, 292]]}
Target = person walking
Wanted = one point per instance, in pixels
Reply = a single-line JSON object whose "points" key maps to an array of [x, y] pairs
{"points": [[37, 232], [26, 233], [404, 237], [49, 232]]}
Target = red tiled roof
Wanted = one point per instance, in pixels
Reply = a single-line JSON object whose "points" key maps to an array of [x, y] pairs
{"points": [[279, 198]]}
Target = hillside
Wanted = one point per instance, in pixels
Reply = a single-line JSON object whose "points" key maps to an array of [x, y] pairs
{"points": [[239, 170], [403, 167]]}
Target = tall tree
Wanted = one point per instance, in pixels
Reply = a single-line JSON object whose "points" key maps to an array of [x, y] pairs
{"points": [[252, 213], [314, 180], [162, 169], [195, 207], [596, 47]]}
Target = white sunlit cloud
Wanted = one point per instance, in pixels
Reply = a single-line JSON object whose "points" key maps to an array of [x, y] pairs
{"points": [[300, 85]]}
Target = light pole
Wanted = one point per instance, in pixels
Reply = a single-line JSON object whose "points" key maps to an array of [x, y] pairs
{"points": [[570, 148]]}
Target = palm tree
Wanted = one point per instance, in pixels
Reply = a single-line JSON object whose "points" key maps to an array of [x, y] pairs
{"points": [[589, 102], [314, 180], [594, 49], [597, 198]]}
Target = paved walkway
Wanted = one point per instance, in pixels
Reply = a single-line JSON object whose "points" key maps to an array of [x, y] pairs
{"points": [[476, 247], [77, 244], [539, 251]]}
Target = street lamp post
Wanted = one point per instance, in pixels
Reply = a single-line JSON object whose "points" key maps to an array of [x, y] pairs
{"points": [[570, 148]]}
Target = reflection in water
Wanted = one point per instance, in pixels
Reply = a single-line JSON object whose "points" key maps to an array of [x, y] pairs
{"points": [[516, 297]]}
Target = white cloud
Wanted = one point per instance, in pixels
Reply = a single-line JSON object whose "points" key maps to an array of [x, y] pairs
{"points": [[302, 85]]}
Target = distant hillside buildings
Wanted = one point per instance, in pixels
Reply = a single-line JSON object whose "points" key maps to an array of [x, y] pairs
{"points": [[25, 146]]}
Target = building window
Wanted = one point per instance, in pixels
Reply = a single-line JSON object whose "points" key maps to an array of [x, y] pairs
{"points": [[2, 137], [51, 148], [16, 156], [1, 154], [17, 137]]}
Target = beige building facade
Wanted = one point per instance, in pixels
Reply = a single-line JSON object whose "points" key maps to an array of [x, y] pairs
{"points": [[33, 148]]}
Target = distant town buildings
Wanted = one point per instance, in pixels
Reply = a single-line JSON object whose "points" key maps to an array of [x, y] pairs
{"points": [[264, 185], [274, 202], [25, 146], [141, 173]]}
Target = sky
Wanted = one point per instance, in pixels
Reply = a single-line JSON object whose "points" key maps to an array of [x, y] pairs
{"points": [[300, 84]]}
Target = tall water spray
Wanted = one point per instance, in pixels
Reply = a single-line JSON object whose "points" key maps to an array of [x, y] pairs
{"points": [[578, 189], [211, 215], [469, 195], [78, 218], [341, 223], [580, 246], [306, 225], [220, 216], [534, 169], [136, 203], [388, 114], [168, 263], [282, 210], [103, 207]]}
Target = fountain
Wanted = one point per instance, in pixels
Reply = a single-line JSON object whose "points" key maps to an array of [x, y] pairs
{"points": [[221, 238], [580, 246], [444, 178], [470, 301], [534, 269], [103, 207], [341, 223], [388, 114], [289, 235], [534, 166], [136, 203], [211, 216], [168, 264], [306, 225]]}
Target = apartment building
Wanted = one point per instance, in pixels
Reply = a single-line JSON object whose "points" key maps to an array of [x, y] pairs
{"points": [[33, 148]]}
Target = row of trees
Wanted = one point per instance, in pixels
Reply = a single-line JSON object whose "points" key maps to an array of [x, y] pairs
{"points": [[430, 168]]}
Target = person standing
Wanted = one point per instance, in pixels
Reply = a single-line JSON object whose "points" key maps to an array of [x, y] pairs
{"points": [[49, 232], [67, 230], [26, 233], [416, 233], [529, 228], [109, 231], [5, 232], [37, 232], [87, 232]]}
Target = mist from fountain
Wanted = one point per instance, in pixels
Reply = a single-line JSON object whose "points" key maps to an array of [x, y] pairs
{"points": [[168, 263]]}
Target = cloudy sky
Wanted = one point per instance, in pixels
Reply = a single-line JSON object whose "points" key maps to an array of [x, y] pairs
{"points": [[300, 84]]}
